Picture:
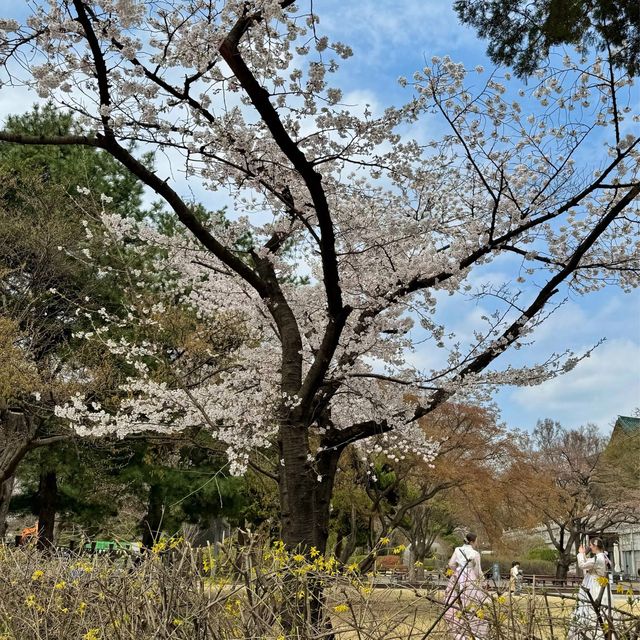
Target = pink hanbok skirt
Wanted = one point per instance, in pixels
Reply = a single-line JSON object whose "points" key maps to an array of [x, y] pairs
{"points": [[464, 598]]}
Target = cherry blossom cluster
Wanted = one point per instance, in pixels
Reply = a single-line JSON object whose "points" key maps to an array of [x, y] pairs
{"points": [[344, 232]]}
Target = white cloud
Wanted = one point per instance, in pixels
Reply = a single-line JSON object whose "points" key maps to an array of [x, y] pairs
{"points": [[357, 99], [16, 100], [385, 32], [597, 390]]}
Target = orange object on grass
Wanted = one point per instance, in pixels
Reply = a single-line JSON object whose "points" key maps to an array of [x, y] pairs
{"points": [[29, 532]]}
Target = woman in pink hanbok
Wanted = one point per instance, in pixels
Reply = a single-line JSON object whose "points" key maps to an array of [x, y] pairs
{"points": [[589, 620], [464, 595]]}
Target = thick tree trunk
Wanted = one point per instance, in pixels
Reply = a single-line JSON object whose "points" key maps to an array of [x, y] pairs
{"points": [[47, 508], [347, 545], [562, 568], [296, 489], [305, 492], [418, 552], [16, 435], [152, 522], [305, 487], [6, 491]]}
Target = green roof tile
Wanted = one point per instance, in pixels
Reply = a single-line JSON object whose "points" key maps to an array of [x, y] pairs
{"points": [[628, 424]]}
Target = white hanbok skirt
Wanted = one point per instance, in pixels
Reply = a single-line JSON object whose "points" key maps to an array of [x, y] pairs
{"points": [[589, 620]]}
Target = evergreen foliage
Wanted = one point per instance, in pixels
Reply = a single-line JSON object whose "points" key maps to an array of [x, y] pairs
{"points": [[521, 33]]}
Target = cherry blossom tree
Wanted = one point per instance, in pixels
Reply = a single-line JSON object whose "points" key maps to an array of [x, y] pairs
{"points": [[380, 224]]}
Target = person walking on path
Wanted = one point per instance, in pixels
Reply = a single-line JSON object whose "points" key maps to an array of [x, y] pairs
{"points": [[515, 578], [464, 595]]}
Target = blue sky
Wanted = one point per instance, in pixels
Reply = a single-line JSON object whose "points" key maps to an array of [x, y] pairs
{"points": [[394, 38], [391, 38]]}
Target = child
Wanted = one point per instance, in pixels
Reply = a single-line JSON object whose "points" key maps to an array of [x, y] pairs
{"points": [[515, 579]]}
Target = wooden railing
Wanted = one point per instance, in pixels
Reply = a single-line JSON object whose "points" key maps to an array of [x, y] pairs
{"points": [[551, 581]]}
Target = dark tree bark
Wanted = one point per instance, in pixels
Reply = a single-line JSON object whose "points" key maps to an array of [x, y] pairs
{"points": [[47, 508], [20, 434], [562, 568], [6, 491], [152, 521], [16, 436], [305, 488], [347, 544]]}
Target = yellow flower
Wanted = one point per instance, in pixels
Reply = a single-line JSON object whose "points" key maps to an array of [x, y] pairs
{"points": [[603, 581], [81, 607], [92, 634], [419, 564], [177, 622], [159, 546], [279, 551], [175, 542], [232, 607], [353, 567], [302, 569], [480, 614], [384, 541], [30, 600], [298, 557], [313, 552], [619, 588], [60, 585], [399, 549], [84, 566], [501, 599], [37, 574], [448, 572], [341, 608]]}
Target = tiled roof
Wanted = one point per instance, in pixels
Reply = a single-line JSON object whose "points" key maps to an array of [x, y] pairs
{"points": [[628, 424]]}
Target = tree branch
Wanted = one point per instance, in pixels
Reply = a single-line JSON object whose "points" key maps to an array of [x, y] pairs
{"points": [[313, 180], [513, 332]]}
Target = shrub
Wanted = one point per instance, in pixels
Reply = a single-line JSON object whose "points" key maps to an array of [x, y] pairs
{"points": [[528, 566], [259, 590], [543, 553]]}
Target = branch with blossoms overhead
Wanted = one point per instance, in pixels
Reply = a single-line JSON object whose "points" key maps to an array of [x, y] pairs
{"points": [[382, 225]]}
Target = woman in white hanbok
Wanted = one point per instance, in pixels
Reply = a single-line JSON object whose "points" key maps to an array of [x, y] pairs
{"points": [[464, 595], [590, 617]]}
